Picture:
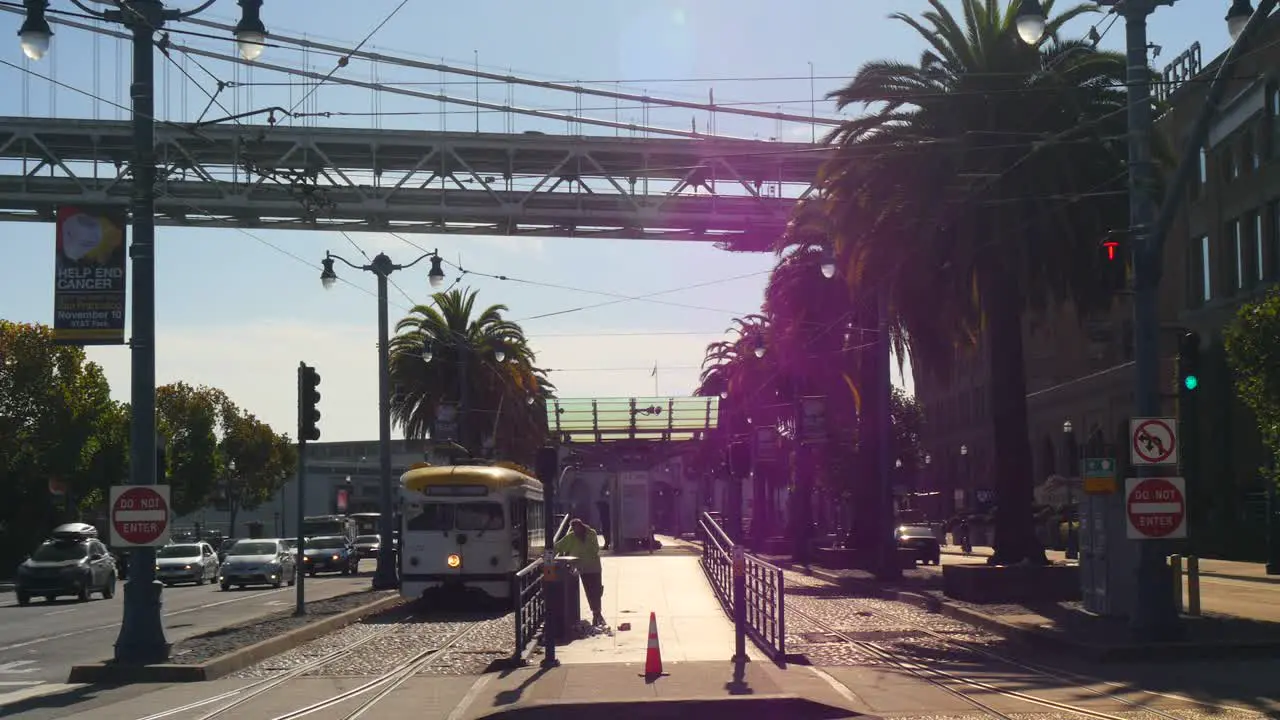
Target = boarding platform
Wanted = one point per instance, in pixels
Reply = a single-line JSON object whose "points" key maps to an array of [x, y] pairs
{"points": [[692, 624]]}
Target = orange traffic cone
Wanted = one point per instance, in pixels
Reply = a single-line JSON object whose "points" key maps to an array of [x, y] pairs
{"points": [[653, 658]]}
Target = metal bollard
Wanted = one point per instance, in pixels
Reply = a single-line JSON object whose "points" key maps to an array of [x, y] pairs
{"points": [[1175, 570], [551, 611], [1193, 586], [739, 605]]}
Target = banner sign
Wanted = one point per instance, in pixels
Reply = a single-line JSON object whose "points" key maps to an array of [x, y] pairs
{"points": [[90, 297]]}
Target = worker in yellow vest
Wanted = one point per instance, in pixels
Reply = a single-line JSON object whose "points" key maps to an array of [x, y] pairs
{"points": [[583, 543]]}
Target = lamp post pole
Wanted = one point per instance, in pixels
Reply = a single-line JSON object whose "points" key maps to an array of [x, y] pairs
{"points": [[142, 639], [385, 577]]}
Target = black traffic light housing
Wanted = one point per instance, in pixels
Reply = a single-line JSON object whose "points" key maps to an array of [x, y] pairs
{"points": [[1188, 362], [308, 399]]}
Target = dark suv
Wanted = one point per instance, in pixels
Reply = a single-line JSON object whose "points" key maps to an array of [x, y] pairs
{"points": [[72, 562]]}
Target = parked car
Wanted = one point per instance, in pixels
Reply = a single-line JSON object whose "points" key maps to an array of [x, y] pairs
{"points": [[186, 562], [330, 553], [72, 562], [921, 539], [258, 562]]}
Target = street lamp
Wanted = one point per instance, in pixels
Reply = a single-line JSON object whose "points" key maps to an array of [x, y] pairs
{"points": [[384, 577], [251, 34], [141, 639], [1155, 613], [1237, 17], [1030, 21], [758, 350], [35, 32], [828, 263], [436, 274]]}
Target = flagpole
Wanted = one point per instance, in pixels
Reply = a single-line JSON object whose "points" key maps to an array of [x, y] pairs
{"points": [[654, 375]]}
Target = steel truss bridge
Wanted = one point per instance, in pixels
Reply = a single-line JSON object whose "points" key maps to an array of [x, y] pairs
{"points": [[325, 178]]}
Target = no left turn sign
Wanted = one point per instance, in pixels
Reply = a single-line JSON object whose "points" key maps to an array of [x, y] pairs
{"points": [[1153, 441]]}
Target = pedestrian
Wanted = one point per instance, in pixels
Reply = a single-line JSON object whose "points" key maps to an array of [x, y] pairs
{"points": [[602, 508], [583, 543]]}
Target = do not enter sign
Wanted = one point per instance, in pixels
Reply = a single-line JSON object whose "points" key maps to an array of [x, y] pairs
{"points": [[1156, 508], [139, 515]]}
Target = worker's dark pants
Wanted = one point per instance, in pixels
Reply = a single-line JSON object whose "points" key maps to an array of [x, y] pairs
{"points": [[593, 585]]}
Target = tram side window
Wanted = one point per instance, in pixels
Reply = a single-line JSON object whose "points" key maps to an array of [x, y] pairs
{"points": [[435, 517], [537, 535], [479, 516]]}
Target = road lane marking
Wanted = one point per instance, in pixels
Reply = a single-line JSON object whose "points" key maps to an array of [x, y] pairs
{"points": [[83, 631], [14, 667], [20, 683], [60, 612], [464, 706]]}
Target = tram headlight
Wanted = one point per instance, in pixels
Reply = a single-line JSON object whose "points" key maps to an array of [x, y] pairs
{"points": [[454, 561]]}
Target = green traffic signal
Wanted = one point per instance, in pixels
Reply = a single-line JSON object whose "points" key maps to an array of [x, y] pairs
{"points": [[1191, 382]]}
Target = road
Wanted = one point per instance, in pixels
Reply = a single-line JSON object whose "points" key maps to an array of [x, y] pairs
{"points": [[1256, 600], [39, 643]]}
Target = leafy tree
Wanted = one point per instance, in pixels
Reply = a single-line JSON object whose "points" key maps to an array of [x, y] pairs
{"points": [[494, 395], [978, 185], [908, 428], [1253, 351], [53, 404], [190, 420], [255, 462]]}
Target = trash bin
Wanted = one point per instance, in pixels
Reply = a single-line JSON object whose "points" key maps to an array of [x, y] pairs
{"points": [[563, 598]]}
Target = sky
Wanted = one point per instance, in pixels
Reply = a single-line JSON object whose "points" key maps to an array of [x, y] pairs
{"points": [[239, 309]]}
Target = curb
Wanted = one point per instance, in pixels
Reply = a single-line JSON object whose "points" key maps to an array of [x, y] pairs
{"points": [[110, 672], [1034, 638], [715, 706]]}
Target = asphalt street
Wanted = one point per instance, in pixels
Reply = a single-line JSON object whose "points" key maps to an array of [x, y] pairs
{"points": [[39, 643]]}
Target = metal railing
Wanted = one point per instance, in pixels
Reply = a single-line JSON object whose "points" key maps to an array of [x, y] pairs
{"points": [[749, 589], [530, 606], [528, 600]]}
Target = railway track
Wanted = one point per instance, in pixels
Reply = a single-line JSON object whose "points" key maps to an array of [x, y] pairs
{"points": [[236, 702], [951, 681]]}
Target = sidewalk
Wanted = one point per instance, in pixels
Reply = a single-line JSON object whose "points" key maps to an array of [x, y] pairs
{"points": [[1230, 569]]}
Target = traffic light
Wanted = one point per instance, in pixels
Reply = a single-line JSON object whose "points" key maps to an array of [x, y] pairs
{"points": [[1189, 362], [308, 398]]}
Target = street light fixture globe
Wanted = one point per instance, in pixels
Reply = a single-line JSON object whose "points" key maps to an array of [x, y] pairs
{"points": [[250, 33], [1067, 427], [35, 32], [964, 449], [1030, 22], [427, 353], [250, 44], [35, 43], [436, 275], [1238, 16], [499, 355], [828, 266]]}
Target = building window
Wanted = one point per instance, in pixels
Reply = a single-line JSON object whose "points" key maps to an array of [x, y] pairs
{"points": [[1237, 246], [1204, 166], [1274, 112], [1257, 141], [1230, 160], [1206, 274], [1248, 151], [1259, 259]]}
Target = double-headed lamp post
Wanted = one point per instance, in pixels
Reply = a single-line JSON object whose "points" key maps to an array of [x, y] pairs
{"points": [[141, 639], [385, 577], [1155, 615]]}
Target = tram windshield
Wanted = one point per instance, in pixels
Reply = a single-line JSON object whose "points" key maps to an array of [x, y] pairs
{"points": [[442, 517]]}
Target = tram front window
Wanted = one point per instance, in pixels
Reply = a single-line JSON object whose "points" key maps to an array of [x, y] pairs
{"points": [[479, 516], [435, 517]]}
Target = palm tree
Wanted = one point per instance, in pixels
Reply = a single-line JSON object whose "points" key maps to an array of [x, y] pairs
{"points": [[978, 185], [479, 360]]}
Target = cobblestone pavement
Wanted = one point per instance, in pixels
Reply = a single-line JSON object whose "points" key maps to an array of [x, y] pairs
{"points": [[893, 625], [403, 634], [899, 628]]}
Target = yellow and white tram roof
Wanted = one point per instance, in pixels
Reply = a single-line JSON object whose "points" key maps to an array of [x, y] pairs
{"points": [[422, 478]]}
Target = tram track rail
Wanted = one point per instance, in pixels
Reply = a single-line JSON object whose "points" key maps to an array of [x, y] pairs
{"points": [[382, 684], [951, 682], [1086, 682]]}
